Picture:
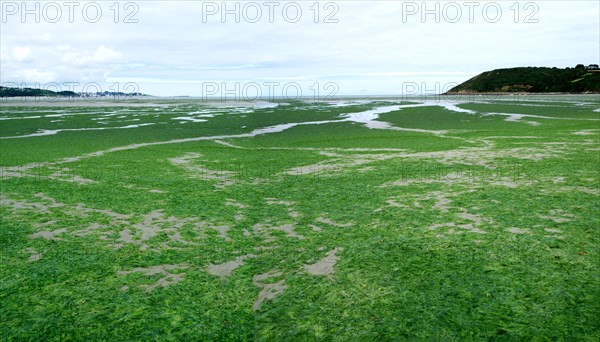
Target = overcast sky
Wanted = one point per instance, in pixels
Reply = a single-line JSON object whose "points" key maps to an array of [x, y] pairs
{"points": [[354, 48]]}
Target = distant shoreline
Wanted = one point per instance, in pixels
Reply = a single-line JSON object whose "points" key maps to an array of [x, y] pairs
{"points": [[158, 101], [518, 93]]}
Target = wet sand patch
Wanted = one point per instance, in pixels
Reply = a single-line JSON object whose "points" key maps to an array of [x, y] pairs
{"points": [[443, 205], [441, 225], [225, 269], [324, 267], [293, 213], [471, 228], [66, 174], [476, 219], [515, 230], [552, 230], [224, 178], [333, 223], [61, 174], [16, 205], [82, 210], [89, 230], [366, 169], [315, 228], [287, 228], [450, 178], [222, 230], [507, 182], [156, 222], [393, 203], [125, 235], [555, 219], [152, 224], [331, 166], [486, 156], [558, 216], [442, 202], [268, 290], [168, 279], [48, 235], [583, 189], [234, 203], [35, 255], [275, 201]]}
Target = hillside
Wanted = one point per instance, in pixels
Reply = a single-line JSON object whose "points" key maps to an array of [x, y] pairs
{"points": [[533, 80], [16, 92]]}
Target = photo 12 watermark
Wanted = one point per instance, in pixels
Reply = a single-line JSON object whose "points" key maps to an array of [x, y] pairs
{"points": [[469, 11], [81, 173], [448, 92], [268, 90], [68, 91], [91, 12], [269, 12], [414, 173]]}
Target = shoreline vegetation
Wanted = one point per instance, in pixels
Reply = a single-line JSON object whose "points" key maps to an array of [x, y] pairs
{"points": [[11, 92], [533, 80]]}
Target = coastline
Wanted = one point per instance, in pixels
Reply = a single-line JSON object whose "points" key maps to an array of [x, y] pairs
{"points": [[517, 93]]}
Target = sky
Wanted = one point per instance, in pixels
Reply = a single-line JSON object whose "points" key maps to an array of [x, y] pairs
{"points": [[286, 48]]}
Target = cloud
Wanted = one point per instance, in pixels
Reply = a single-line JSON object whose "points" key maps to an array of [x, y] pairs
{"points": [[223, 67], [21, 53], [104, 54], [81, 57], [42, 38], [38, 76]]}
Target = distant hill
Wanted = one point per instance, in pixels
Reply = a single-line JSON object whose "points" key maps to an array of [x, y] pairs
{"points": [[30, 92], [580, 79], [17, 92]]}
